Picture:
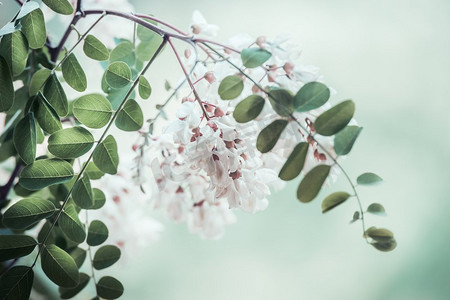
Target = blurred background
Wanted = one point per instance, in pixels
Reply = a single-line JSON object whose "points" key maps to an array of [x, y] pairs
{"points": [[392, 58]]}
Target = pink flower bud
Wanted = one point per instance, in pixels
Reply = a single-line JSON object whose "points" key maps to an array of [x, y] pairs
{"points": [[229, 144], [218, 112], [212, 125], [260, 41], [255, 89], [187, 53], [272, 76], [288, 67], [135, 147], [196, 29], [208, 108], [209, 76], [235, 175]]}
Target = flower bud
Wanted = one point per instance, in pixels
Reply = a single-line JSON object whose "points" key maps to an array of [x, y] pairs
{"points": [[187, 53], [260, 41], [209, 76], [196, 29], [218, 112], [288, 67]]}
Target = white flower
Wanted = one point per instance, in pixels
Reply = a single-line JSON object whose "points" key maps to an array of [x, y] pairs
{"points": [[199, 25]]}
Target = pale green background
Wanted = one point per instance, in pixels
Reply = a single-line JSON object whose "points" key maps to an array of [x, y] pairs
{"points": [[393, 58]]}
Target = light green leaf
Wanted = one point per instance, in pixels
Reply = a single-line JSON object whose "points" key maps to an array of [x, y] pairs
{"points": [[25, 138], [93, 172], [95, 49], [335, 119], [67, 293], [146, 49], [6, 87], [78, 255], [231, 87], [311, 96], [59, 266], [14, 246], [71, 142], [82, 192], [106, 256], [368, 179], [27, 212], [33, 27], [55, 95], [282, 101], [118, 75], [46, 115], [376, 209], [123, 52], [93, 110], [14, 49], [109, 288], [16, 283], [334, 200], [145, 34], [269, 136], [99, 198], [60, 6], [344, 139], [105, 155], [312, 183], [73, 73], [248, 109], [254, 57], [294, 164], [37, 80], [130, 117], [71, 225], [97, 233], [45, 172], [144, 88]]}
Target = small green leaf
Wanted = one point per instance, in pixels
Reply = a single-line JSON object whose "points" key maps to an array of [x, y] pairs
{"points": [[14, 49], [334, 200], [71, 225], [144, 88], [335, 119], [368, 179], [254, 57], [71, 142], [78, 255], [46, 115], [37, 80], [381, 235], [45, 172], [105, 155], [294, 164], [248, 109], [25, 138], [99, 198], [376, 209], [60, 6], [130, 117], [269, 136], [55, 95], [344, 139], [312, 183], [97, 233], [82, 192], [73, 73], [93, 110], [95, 49], [282, 102], [67, 293], [59, 266], [14, 246], [16, 283], [385, 246], [231, 87], [106, 256], [312, 95], [123, 52], [109, 288], [6, 87], [27, 212], [356, 216], [93, 172], [33, 27], [118, 75]]}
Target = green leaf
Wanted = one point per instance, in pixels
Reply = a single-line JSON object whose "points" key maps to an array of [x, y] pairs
{"points": [[118, 75], [99, 198], [55, 95], [45, 172], [14, 49], [10, 28], [106, 256], [25, 138], [368, 179], [344, 139], [248, 109], [105, 155], [67, 293], [269, 136], [71, 225], [335, 119], [78, 255], [123, 52], [376, 209], [93, 110], [381, 235], [27, 212], [93, 172], [334, 200], [33, 27], [94, 48], [70, 142], [282, 102], [97, 233], [231, 87], [82, 192], [147, 49], [46, 115], [254, 57], [130, 117], [385, 246], [356, 217], [6, 87], [145, 34], [27, 8], [73, 73], [37, 80], [312, 95], [312, 183], [109, 288], [59, 266], [16, 283], [60, 6], [144, 88], [14, 246], [294, 164]]}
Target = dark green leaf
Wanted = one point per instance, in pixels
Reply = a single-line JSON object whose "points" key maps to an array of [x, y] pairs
{"points": [[334, 200], [376, 209], [93, 172], [344, 139], [231, 87], [254, 57], [14, 49], [385, 246], [106, 256], [70, 142], [16, 284], [335, 119], [93, 110], [6, 87], [14, 246], [294, 164], [312, 95], [46, 115], [368, 179], [67, 293], [97, 233], [73, 73], [82, 193], [356, 216], [118, 75], [282, 102], [45, 172], [105, 155], [109, 288], [130, 117], [99, 198], [145, 89], [37, 80], [312, 183], [78, 255], [59, 266], [60, 6], [55, 95], [25, 138], [123, 52], [70, 224], [381, 235], [269, 136], [27, 212], [95, 49], [248, 109], [33, 27]]}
